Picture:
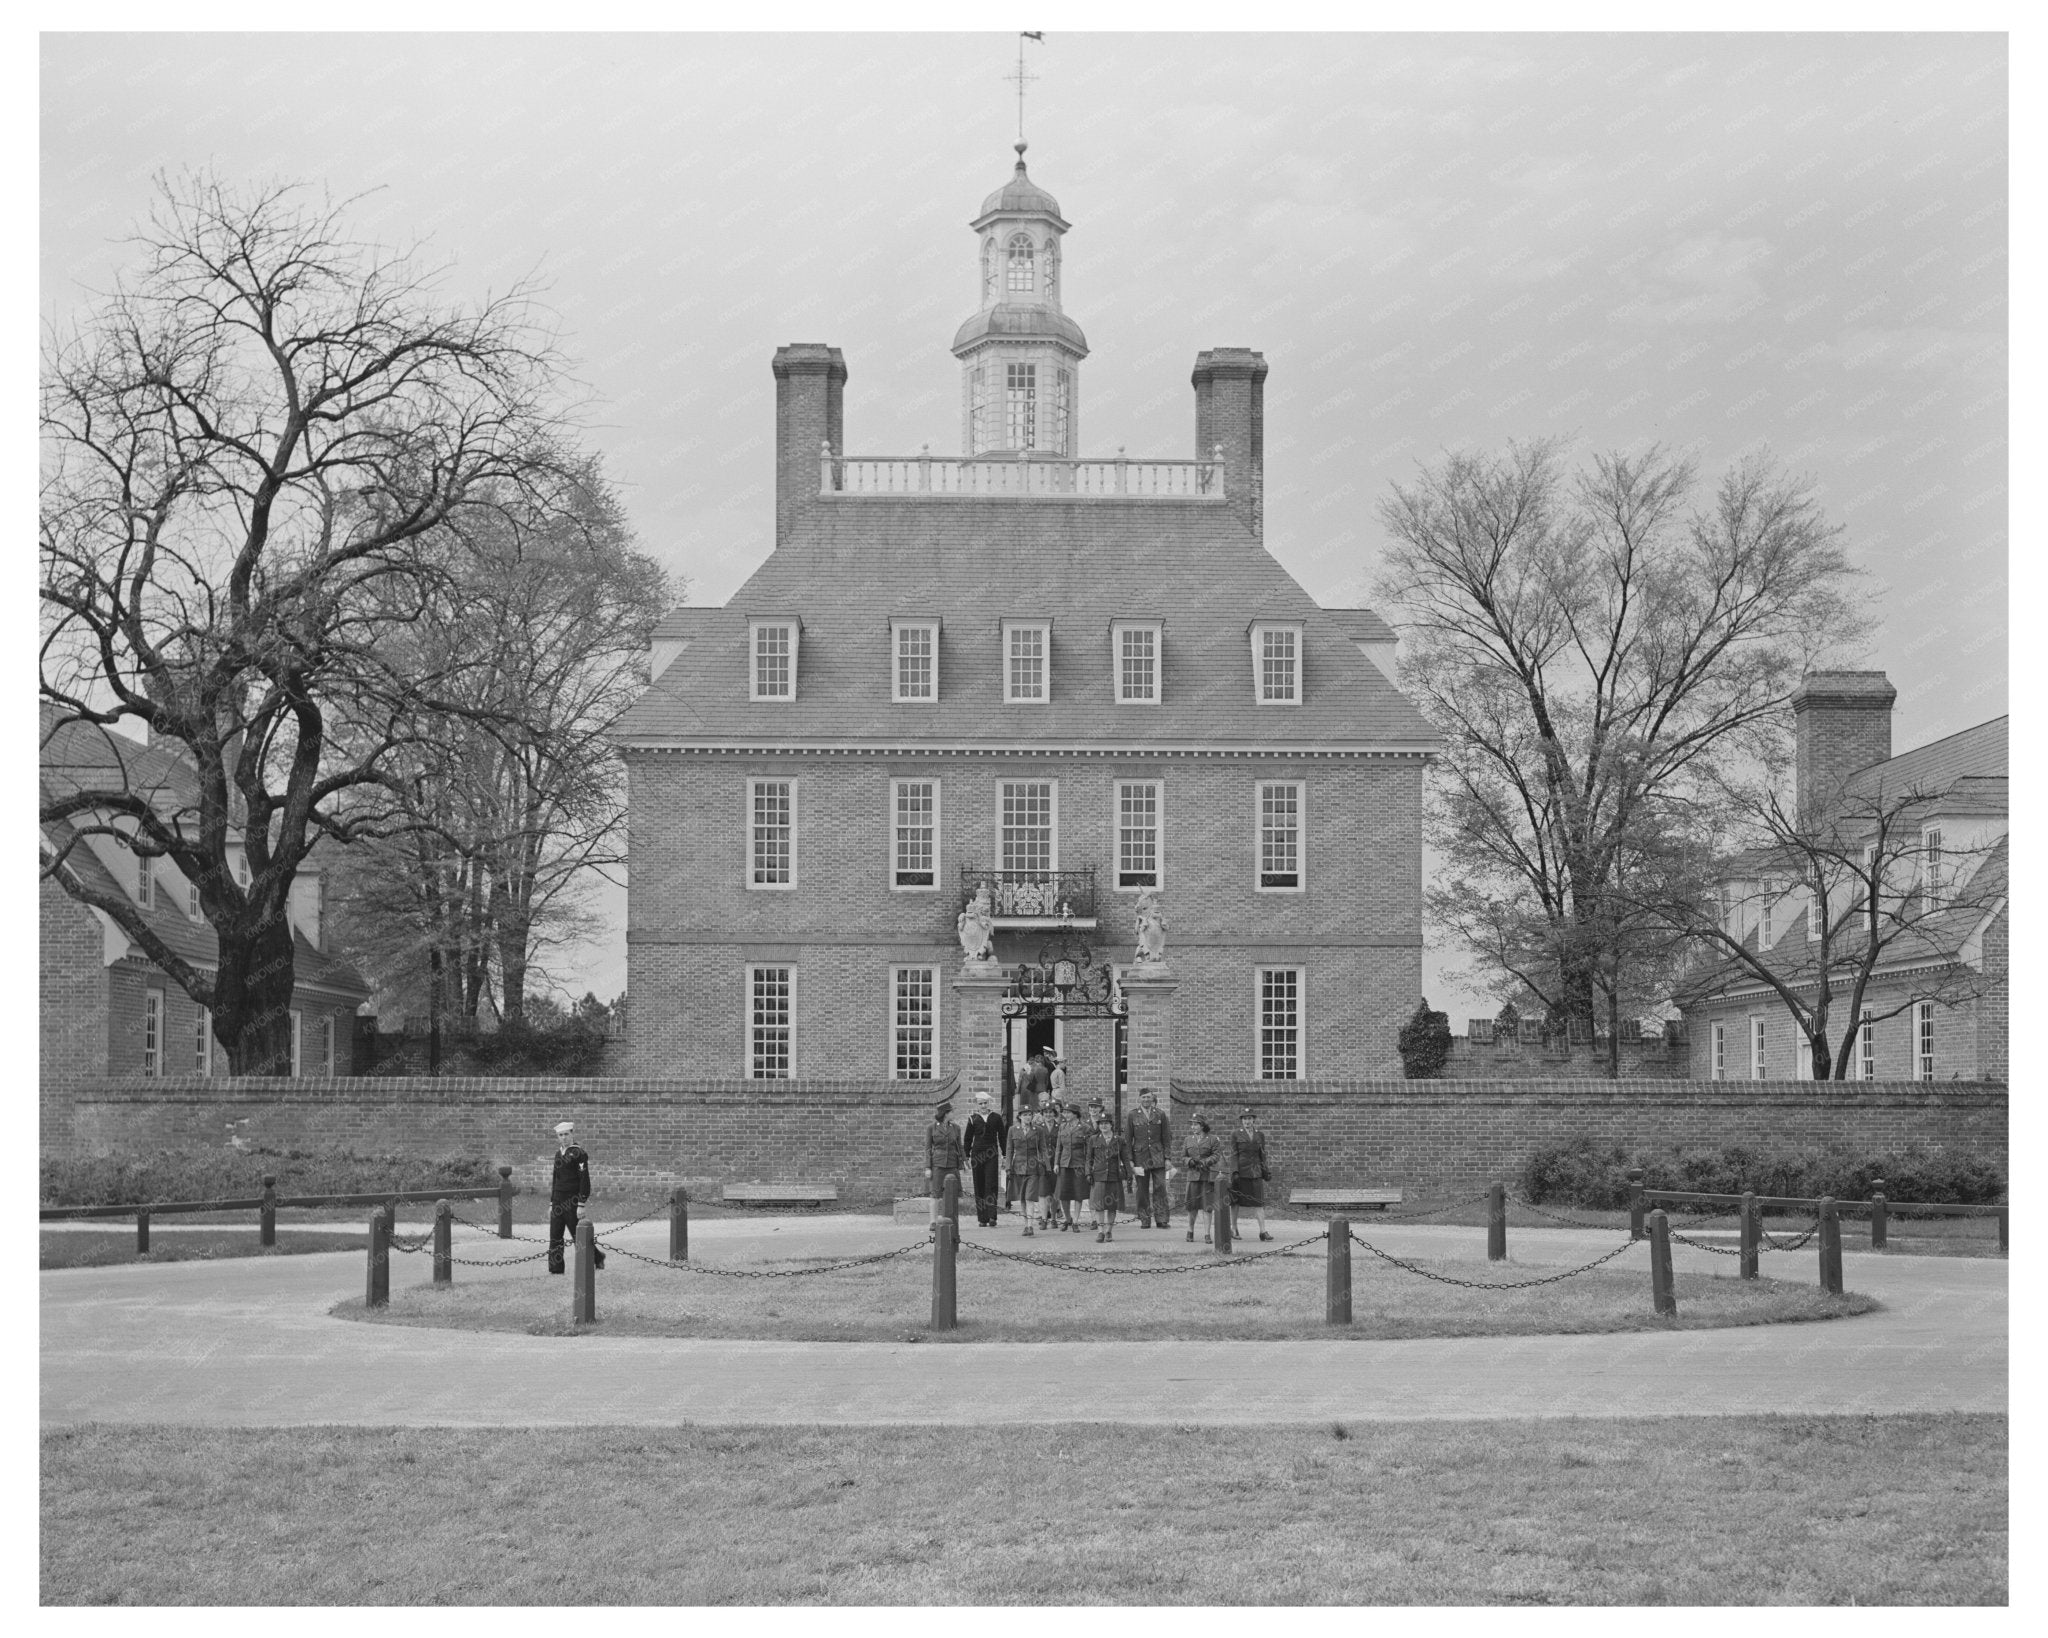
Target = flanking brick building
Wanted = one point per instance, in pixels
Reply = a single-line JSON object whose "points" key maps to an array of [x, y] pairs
{"points": [[1071, 680]]}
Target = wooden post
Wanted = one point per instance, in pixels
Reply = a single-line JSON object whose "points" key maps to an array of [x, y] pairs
{"points": [[1497, 1223], [2004, 1227], [1635, 1202], [679, 1225], [1219, 1217], [266, 1219], [1830, 1248], [1752, 1235], [583, 1289], [141, 1230], [444, 1243], [945, 1251], [1337, 1275], [1662, 1295], [377, 1278], [504, 1202], [1878, 1208], [391, 1217]]}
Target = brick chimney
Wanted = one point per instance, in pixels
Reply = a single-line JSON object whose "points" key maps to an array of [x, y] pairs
{"points": [[1843, 724], [1230, 410], [810, 382]]}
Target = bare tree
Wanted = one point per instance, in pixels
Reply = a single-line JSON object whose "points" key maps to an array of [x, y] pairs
{"points": [[1829, 910], [251, 448], [1592, 649]]}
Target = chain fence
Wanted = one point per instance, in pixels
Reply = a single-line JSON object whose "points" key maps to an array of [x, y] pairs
{"points": [[1486, 1285], [1235, 1260], [765, 1273]]}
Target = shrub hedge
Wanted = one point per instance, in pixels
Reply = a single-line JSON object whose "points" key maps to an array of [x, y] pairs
{"points": [[1594, 1176], [231, 1173]]}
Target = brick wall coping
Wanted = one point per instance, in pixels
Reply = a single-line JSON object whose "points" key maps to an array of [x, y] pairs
{"points": [[1594, 1094], [448, 1089]]}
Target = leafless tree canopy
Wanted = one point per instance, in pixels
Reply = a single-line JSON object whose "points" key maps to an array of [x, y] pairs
{"points": [[252, 450]]}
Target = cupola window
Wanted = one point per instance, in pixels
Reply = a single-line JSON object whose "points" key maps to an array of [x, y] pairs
{"points": [[1020, 405], [1020, 263], [988, 270]]}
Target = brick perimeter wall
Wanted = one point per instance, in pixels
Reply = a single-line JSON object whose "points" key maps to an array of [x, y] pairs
{"points": [[867, 1137]]}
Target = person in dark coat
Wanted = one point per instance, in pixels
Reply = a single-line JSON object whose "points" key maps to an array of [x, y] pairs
{"points": [[1107, 1169], [985, 1142], [1198, 1160], [1034, 1082], [1148, 1141], [569, 1190], [1251, 1173], [942, 1155], [1023, 1160], [1049, 1116], [1071, 1157]]}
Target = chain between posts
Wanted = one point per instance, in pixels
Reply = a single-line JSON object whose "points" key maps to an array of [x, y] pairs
{"points": [[1234, 1261], [765, 1273], [1487, 1285]]}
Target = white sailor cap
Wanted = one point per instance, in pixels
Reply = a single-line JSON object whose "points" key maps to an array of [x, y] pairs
{"points": [[564, 1127]]}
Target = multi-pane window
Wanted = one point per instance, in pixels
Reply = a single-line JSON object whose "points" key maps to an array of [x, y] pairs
{"points": [[1279, 1023], [916, 862], [981, 419], [1717, 1037], [1923, 1039], [1137, 833], [1279, 835], [1756, 1048], [326, 1054], [917, 662], [152, 1032], [1766, 928], [1062, 410], [775, 660], [1020, 406], [1025, 657], [202, 1043], [768, 1023], [298, 1043], [1137, 665], [1815, 918], [1931, 884], [914, 1037], [1866, 1047], [1029, 816], [771, 833], [1020, 263], [145, 883], [1277, 650], [192, 905]]}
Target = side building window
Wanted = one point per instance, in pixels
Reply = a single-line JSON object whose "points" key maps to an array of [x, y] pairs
{"points": [[1866, 1047], [1139, 861], [1717, 1039], [326, 1059], [1923, 1039], [1279, 839], [914, 1035], [152, 1030], [1756, 1048], [202, 1043], [914, 863], [768, 1022], [298, 1043], [771, 833], [1280, 1023]]}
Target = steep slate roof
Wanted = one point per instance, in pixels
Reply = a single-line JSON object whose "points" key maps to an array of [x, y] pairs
{"points": [[972, 562], [1973, 753]]}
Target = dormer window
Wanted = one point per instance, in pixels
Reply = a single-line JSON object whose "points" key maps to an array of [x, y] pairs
{"points": [[1027, 661], [1276, 663], [145, 883], [1931, 884], [774, 645], [1020, 264], [1135, 645], [914, 647]]}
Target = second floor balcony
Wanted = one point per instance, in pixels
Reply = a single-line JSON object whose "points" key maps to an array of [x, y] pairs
{"points": [[1019, 477], [1033, 898]]}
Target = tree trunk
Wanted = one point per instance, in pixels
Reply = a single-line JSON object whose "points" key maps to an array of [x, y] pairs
{"points": [[252, 1014]]}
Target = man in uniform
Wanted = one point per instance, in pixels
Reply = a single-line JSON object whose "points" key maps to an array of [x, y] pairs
{"points": [[942, 1154], [985, 1143], [1148, 1139], [570, 1189], [1034, 1083]]}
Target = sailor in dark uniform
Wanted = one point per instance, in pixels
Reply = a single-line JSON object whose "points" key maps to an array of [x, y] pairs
{"points": [[571, 1189]]}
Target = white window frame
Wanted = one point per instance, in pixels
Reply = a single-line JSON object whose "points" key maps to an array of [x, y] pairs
{"points": [[1866, 1046], [1933, 892], [1116, 832], [153, 1032], [1814, 918], [1923, 1040], [193, 908], [1118, 631], [1757, 1065], [750, 1069], [896, 834], [754, 782], [1012, 628], [145, 882], [898, 629], [327, 1045], [1717, 1046], [1053, 845], [1766, 903], [298, 1043], [1259, 1061], [1259, 630], [202, 1043], [1300, 787], [896, 1024], [756, 629]]}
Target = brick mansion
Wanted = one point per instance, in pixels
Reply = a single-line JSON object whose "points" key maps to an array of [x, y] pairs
{"points": [[1067, 680]]}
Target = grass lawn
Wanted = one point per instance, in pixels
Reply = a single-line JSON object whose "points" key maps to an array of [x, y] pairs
{"points": [[78, 1248], [1737, 1510], [1003, 1301]]}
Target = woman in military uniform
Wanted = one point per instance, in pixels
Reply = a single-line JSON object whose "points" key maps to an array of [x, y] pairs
{"points": [[1198, 1159], [1048, 1165], [1072, 1159], [1248, 1185], [1107, 1164], [1024, 1145]]}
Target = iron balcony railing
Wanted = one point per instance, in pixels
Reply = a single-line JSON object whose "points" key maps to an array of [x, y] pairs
{"points": [[1032, 895], [999, 475]]}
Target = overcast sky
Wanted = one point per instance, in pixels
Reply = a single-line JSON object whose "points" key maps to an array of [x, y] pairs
{"points": [[1437, 241]]}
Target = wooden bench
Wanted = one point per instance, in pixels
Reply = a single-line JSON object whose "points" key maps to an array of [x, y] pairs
{"points": [[1329, 1199], [780, 1194]]}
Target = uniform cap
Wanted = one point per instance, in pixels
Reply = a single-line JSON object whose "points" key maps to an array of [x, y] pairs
{"points": [[564, 1127], [945, 1109], [981, 1097]]}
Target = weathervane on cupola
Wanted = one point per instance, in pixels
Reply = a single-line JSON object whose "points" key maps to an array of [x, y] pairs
{"points": [[1020, 355]]}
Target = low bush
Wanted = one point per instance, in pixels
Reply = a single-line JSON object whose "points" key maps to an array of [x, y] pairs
{"points": [[1594, 1176], [1425, 1043], [228, 1172]]}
